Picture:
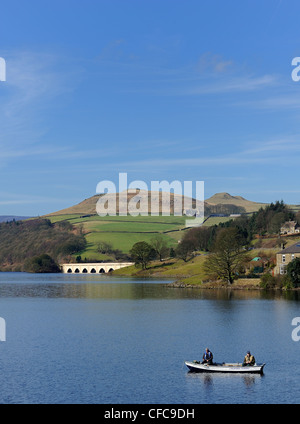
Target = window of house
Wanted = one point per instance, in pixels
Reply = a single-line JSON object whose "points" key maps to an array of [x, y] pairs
{"points": [[293, 256], [283, 269], [283, 258]]}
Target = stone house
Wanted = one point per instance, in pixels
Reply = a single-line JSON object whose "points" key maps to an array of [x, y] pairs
{"points": [[290, 227], [285, 256]]}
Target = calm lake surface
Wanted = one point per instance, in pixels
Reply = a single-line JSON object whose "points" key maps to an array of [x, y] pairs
{"points": [[91, 339]]}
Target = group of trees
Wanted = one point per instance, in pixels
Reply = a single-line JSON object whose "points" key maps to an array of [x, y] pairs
{"points": [[266, 221], [269, 220], [142, 252], [226, 244], [41, 264], [23, 242], [293, 272], [226, 258], [223, 209], [106, 248]]}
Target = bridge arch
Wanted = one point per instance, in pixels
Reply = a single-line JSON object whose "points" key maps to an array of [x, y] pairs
{"points": [[93, 268]]}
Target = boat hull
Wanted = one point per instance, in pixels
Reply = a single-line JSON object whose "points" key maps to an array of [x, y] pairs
{"points": [[225, 368]]}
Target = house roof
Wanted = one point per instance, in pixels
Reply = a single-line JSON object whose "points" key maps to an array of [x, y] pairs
{"points": [[290, 224], [295, 248]]}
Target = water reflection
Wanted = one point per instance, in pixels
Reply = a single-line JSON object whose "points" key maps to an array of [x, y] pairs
{"points": [[78, 340], [249, 380], [208, 380], [62, 286], [134, 290]]}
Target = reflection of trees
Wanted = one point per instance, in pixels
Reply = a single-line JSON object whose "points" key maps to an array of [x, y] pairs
{"points": [[87, 286]]}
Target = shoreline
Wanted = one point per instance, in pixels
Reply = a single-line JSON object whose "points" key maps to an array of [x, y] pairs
{"points": [[239, 285], [224, 286]]}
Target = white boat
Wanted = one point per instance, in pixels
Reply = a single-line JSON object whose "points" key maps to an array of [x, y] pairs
{"points": [[225, 368]]}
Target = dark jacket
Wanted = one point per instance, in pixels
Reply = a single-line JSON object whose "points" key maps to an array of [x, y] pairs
{"points": [[249, 360], [208, 356]]}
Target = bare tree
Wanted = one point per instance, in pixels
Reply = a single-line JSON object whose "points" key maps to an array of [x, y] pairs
{"points": [[228, 255]]}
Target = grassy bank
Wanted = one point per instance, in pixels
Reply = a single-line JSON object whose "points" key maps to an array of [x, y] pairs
{"points": [[172, 269], [187, 274]]}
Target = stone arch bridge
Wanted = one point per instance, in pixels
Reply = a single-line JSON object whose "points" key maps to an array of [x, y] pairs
{"points": [[97, 268]]}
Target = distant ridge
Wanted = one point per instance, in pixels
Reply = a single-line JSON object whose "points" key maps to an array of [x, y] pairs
{"points": [[218, 203], [9, 218], [228, 199], [88, 206]]}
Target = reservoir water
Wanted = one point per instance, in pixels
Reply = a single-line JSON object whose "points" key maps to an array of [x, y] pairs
{"points": [[92, 339]]}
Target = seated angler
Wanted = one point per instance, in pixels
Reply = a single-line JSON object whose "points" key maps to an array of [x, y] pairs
{"points": [[249, 360], [207, 357]]}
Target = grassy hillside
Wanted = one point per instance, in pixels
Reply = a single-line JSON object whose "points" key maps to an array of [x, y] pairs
{"points": [[175, 269], [122, 232], [148, 202], [219, 203], [214, 220]]}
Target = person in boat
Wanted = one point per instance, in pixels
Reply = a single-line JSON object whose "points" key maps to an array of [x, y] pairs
{"points": [[207, 357], [249, 360]]}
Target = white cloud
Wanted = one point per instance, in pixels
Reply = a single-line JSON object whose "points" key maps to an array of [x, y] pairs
{"points": [[232, 85], [33, 83], [210, 62], [261, 152]]}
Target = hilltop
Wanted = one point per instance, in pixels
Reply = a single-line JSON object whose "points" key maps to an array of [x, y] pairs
{"points": [[228, 199], [218, 203], [148, 202]]}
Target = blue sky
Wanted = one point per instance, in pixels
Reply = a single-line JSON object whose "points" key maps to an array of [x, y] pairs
{"points": [[160, 89]]}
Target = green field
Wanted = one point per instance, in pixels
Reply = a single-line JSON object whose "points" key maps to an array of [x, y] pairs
{"points": [[216, 220], [123, 232]]}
